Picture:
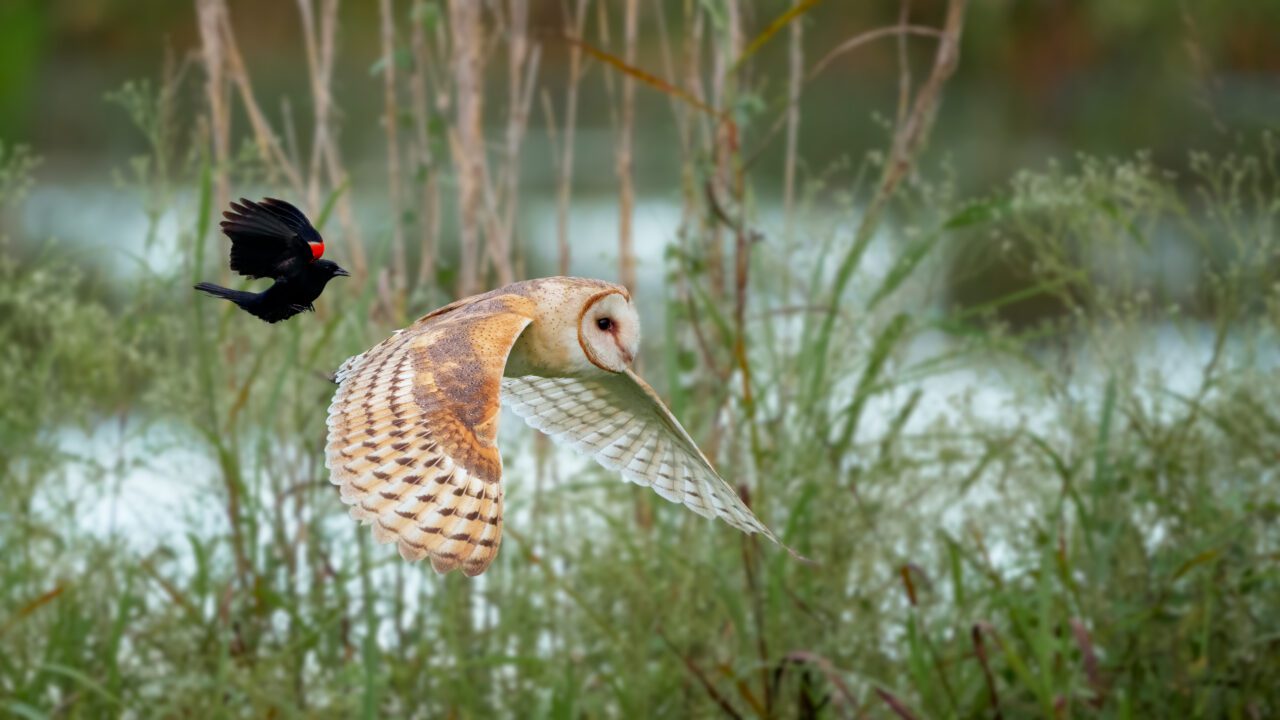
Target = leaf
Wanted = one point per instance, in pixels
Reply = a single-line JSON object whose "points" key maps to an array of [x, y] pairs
{"points": [[980, 651], [400, 56], [828, 670], [1112, 211], [649, 79], [778, 23], [898, 423], [23, 710], [1203, 558], [85, 681], [902, 269], [978, 213], [427, 13], [31, 607], [880, 351], [702, 679], [907, 571], [1101, 461], [330, 201], [899, 708], [1091, 668]]}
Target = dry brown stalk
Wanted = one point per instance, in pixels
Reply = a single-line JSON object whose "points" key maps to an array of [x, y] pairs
{"points": [[904, 63], [908, 138], [319, 39], [861, 39], [326, 159], [701, 133], [626, 129], [686, 126], [269, 148], [691, 124], [429, 213], [693, 65], [697, 129], [391, 114], [898, 31], [795, 81], [668, 65], [564, 184], [467, 142], [562, 209], [290, 132], [730, 179], [321, 102], [723, 89], [911, 133], [209, 15], [522, 69]]}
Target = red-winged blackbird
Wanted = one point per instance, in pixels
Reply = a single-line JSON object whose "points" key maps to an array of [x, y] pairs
{"points": [[274, 239]]}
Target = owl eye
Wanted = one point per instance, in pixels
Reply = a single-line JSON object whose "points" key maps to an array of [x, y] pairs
{"points": [[604, 324]]}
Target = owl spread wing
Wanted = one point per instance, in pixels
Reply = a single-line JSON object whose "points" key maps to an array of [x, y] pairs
{"points": [[267, 236], [413, 429], [622, 423]]}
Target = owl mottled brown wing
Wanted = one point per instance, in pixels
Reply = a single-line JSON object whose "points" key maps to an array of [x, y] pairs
{"points": [[622, 423], [413, 433]]}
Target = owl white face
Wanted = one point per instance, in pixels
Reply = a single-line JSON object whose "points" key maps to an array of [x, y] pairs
{"points": [[609, 332]]}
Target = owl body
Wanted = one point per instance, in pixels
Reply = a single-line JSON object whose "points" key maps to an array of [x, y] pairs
{"points": [[412, 439]]}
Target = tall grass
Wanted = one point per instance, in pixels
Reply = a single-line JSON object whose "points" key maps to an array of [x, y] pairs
{"points": [[1073, 514]]}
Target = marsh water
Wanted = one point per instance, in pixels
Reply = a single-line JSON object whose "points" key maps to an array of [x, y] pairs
{"points": [[141, 478]]}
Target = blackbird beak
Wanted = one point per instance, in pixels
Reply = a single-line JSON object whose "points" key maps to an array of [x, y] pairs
{"points": [[341, 273]]}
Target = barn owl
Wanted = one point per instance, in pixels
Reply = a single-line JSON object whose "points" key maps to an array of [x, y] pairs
{"points": [[413, 426]]}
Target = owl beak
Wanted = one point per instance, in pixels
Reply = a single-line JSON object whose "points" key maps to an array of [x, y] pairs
{"points": [[623, 351]]}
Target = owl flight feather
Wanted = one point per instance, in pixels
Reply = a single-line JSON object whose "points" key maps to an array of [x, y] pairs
{"points": [[413, 427]]}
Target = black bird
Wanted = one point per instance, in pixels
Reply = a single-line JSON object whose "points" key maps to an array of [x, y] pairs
{"points": [[273, 239]]}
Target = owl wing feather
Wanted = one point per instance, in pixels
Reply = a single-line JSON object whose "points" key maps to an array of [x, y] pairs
{"points": [[412, 441], [622, 423]]}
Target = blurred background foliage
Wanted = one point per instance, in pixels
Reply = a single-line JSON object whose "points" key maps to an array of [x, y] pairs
{"points": [[1004, 360], [1040, 78]]}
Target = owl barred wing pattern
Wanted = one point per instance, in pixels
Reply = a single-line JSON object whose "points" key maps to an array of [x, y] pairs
{"points": [[620, 421], [413, 430], [414, 422]]}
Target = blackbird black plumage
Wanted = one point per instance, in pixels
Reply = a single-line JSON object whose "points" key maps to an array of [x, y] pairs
{"points": [[273, 239]]}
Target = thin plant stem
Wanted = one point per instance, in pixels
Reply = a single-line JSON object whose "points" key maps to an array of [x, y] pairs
{"points": [[564, 183], [209, 14], [391, 125], [429, 213], [623, 152], [467, 143]]}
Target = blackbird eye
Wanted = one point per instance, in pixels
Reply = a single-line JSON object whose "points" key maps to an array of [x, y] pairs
{"points": [[604, 324]]}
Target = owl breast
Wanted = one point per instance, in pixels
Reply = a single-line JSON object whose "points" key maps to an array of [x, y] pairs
{"points": [[548, 348]]}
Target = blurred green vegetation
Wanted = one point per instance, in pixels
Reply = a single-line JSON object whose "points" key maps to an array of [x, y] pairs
{"points": [[1038, 79], [1035, 461]]}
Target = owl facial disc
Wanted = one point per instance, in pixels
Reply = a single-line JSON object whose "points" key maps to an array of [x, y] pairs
{"points": [[609, 331]]}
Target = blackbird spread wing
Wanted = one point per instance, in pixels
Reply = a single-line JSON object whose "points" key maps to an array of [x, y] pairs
{"points": [[413, 431], [268, 238], [622, 423], [293, 217]]}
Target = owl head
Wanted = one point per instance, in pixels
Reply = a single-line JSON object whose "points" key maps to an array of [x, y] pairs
{"points": [[609, 329]]}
